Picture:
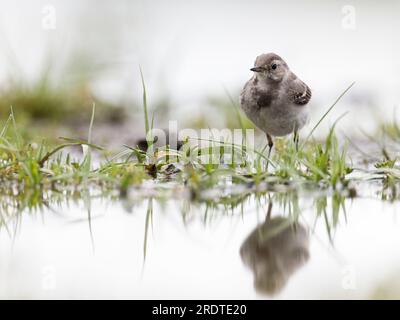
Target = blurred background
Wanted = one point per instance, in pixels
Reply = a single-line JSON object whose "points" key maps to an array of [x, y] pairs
{"points": [[58, 57]]}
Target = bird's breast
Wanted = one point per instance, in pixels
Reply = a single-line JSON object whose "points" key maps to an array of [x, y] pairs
{"points": [[283, 119]]}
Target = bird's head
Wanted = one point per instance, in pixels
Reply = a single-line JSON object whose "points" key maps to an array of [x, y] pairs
{"points": [[270, 66]]}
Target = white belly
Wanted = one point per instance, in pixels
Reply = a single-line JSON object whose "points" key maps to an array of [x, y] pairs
{"points": [[279, 120]]}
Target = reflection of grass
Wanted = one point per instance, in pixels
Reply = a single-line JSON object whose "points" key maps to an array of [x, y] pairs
{"points": [[149, 218], [330, 217]]}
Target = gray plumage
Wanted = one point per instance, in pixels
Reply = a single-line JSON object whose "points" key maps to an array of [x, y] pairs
{"points": [[275, 99]]}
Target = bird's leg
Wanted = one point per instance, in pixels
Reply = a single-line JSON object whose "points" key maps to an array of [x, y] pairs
{"points": [[296, 140], [268, 216], [270, 145]]}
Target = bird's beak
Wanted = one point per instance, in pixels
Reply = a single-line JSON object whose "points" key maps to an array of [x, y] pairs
{"points": [[257, 69]]}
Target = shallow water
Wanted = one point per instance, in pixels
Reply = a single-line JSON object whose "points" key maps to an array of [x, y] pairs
{"points": [[178, 249]]}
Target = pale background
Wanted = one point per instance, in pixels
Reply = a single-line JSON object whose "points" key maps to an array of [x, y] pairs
{"points": [[191, 50]]}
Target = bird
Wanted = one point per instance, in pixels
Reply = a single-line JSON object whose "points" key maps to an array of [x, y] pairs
{"points": [[275, 99]]}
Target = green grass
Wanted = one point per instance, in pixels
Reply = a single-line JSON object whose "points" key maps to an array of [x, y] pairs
{"points": [[34, 174], [324, 163]]}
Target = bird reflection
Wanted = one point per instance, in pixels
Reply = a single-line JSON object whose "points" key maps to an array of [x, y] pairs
{"points": [[274, 251]]}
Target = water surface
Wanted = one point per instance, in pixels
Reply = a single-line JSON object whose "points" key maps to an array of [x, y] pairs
{"points": [[178, 249]]}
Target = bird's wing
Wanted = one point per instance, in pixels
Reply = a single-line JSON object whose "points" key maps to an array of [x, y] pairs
{"points": [[299, 92]]}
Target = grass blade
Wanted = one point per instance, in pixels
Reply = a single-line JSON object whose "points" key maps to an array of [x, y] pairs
{"points": [[325, 114]]}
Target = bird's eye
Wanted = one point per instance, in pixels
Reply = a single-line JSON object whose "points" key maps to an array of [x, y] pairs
{"points": [[274, 66]]}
